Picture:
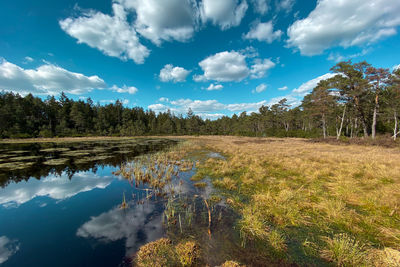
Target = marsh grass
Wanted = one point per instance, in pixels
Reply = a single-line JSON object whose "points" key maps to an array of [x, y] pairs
{"points": [[310, 203]]}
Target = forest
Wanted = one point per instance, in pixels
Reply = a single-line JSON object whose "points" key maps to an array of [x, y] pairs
{"points": [[360, 100]]}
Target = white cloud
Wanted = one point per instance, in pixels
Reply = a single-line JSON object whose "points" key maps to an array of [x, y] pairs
{"points": [[214, 87], [284, 88], [46, 79], [163, 99], [164, 20], [112, 35], [260, 68], [337, 57], [261, 88], [125, 89], [224, 13], [171, 73], [263, 32], [224, 67], [58, 188], [308, 86], [209, 107], [28, 59], [7, 248], [285, 5], [344, 23], [249, 52], [396, 67], [112, 101], [261, 6]]}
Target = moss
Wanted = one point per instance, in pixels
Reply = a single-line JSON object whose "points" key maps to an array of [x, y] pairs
{"points": [[157, 253], [188, 253], [231, 264]]}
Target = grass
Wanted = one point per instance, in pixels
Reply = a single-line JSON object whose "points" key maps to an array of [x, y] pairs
{"points": [[163, 253], [310, 202]]}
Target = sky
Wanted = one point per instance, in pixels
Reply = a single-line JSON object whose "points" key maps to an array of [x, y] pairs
{"points": [[217, 57]]}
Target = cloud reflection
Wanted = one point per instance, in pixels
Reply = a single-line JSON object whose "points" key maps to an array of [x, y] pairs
{"points": [[55, 187], [7, 248], [138, 225]]}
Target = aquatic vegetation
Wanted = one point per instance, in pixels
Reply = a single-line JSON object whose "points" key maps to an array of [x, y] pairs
{"points": [[157, 253], [22, 158], [163, 253], [231, 264], [55, 162], [16, 165], [124, 204], [90, 159], [55, 149], [200, 184], [188, 253]]}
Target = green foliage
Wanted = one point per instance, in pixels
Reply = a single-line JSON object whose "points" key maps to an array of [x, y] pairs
{"points": [[362, 101]]}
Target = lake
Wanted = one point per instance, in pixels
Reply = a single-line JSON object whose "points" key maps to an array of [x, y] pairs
{"points": [[60, 205]]}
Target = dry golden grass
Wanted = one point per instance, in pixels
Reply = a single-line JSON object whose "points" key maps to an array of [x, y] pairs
{"points": [[311, 192]]}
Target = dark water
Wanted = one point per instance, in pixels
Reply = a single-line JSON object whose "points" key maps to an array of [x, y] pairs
{"points": [[60, 206], [68, 214]]}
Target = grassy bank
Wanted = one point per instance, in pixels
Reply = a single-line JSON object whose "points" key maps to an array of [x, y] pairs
{"points": [[311, 203]]}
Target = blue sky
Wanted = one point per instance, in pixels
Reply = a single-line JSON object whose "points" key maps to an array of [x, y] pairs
{"points": [[214, 56]]}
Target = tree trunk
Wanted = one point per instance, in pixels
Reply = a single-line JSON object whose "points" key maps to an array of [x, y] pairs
{"points": [[339, 133], [323, 125], [365, 128], [374, 117], [395, 126]]}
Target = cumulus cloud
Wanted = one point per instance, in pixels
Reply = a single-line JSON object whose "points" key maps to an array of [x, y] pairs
{"points": [[214, 87], [112, 35], [58, 188], [260, 68], [125, 89], [261, 88], [260, 6], [308, 86], [263, 32], [206, 108], [224, 67], [46, 79], [344, 23], [7, 248], [224, 13], [174, 74], [164, 20], [284, 88]]}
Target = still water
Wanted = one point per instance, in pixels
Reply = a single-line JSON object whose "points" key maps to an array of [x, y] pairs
{"points": [[59, 204]]}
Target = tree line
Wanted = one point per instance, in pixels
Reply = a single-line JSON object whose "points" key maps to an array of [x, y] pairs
{"points": [[360, 100]]}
